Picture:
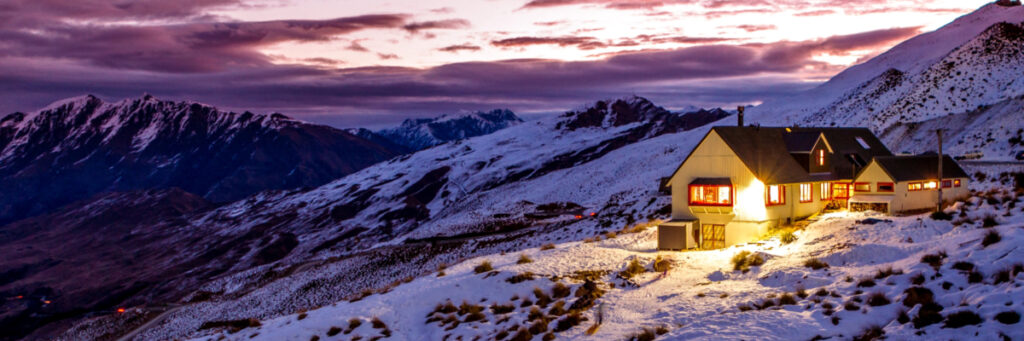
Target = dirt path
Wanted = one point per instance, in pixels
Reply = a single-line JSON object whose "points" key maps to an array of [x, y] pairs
{"points": [[160, 318]]}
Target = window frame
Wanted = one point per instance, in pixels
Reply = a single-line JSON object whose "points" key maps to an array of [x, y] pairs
{"points": [[911, 186], [834, 196], [821, 157], [689, 195], [826, 191], [933, 183], [878, 187], [810, 193], [865, 184], [767, 195], [947, 181], [956, 182]]}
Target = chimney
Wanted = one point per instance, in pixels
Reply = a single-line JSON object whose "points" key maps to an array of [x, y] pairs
{"points": [[739, 116]]}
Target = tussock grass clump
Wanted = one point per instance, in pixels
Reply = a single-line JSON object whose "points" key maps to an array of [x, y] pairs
{"points": [[815, 264], [539, 326], [963, 266], [610, 235], [1001, 276], [522, 335], [465, 308], [1008, 317], [524, 259], [547, 246], [542, 298], [484, 266], [878, 299], [941, 215], [918, 279], [301, 316], [851, 306], [560, 290], [503, 308], [989, 221], [334, 330], [743, 260], [866, 283], [645, 334], [787, 299], [871, 333], [632, 269], [661, 265], [961, 318], [917, 295], [991, 237], [975, 277], [884, 273], [568, 321], [787, 237], [526, 276], [934, 260], [557, 309], [929, 314], [801, 292], [821, 292]]}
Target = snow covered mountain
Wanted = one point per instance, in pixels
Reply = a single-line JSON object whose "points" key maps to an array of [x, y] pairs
{"points": [[81, 146], [422, 133], [381, 224], [557, 209], [968, 71]]}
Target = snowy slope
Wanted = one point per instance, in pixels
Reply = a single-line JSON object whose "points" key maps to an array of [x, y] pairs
{"points": [[476, 196], [922, 57], [703, 298]]}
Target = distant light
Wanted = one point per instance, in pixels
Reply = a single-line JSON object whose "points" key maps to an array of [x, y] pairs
{"points": [[579, 217], [46, 302], [120, 310], [20, 297], [593, 214]]}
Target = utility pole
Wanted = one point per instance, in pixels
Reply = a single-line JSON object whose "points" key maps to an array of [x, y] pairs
{"points": [[939, 184]]}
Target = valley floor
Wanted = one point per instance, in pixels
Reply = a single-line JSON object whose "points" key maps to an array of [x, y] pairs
{"points": [[907, 277]]}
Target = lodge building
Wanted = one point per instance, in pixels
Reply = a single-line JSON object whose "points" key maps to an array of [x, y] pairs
{"points": [[741, 181]]}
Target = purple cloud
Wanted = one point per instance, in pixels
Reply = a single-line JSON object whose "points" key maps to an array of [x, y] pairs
{"points": [[458, 48]]}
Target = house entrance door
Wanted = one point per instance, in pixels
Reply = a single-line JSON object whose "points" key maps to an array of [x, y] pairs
{"points": [[712, 236]]}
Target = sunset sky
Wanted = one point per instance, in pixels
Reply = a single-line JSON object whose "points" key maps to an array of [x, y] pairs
{"points": [[372, 63]]}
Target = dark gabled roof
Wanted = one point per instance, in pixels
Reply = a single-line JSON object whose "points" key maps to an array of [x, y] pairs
{"points": [[847, 150], [919, 167], [712, 181], [763, 150], [801, 141], [777, 155]]}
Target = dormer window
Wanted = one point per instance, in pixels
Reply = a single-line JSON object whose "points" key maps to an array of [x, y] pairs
{"points": [[862, 142], [821, 157]]}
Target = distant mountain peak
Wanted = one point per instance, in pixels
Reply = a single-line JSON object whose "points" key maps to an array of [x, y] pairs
{"points": [[421, 133]]}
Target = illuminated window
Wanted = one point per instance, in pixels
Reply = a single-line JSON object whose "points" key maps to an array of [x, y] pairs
{"points": [[775, 195], [862, 187], [710, 195], [840, 190], [821, 157], [886, 187], [947, 183], [931, 185], [806, 195], [915, 186], [956, 183], [826, 192]]}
